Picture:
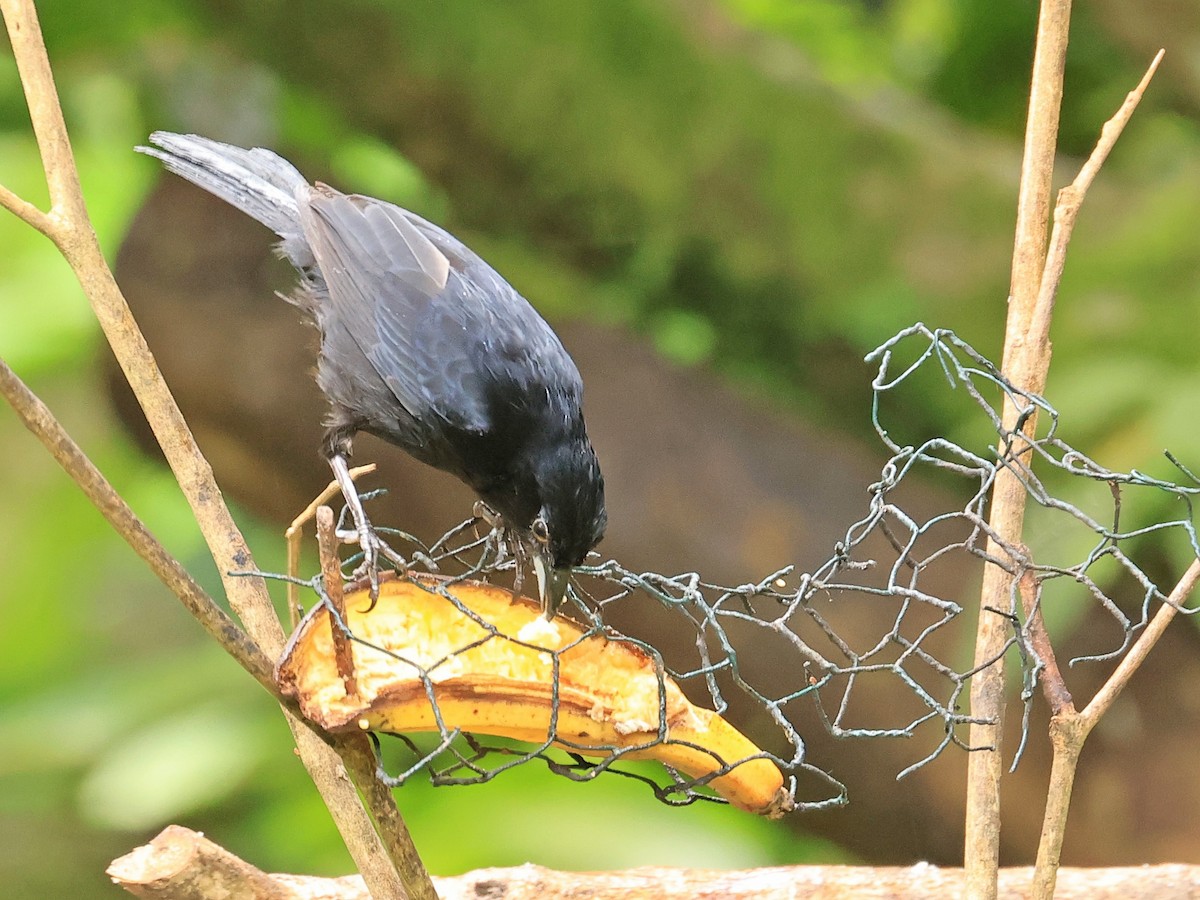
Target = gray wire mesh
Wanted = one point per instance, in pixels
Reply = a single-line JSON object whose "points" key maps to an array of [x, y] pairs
{"points": [[884, 571]]}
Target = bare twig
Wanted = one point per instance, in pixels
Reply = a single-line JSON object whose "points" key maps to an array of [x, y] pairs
{"points": [[68, 226], [41, 421], [331, 573], [1069, 729], [295, 533], [25, 210], [1037, 166], [363, 766], [1133, 660], [355, 749], [1027, 352], [1066, 210], [985, 767], [1054, 686]]}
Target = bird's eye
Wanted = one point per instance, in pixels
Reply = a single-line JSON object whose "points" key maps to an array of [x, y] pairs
{"points": [[540, 532]]}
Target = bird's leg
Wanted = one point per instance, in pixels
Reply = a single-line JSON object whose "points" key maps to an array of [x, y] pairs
{"points": [[520, 557], [368, 541], [506, 538], [497, 541], [482, 511]]}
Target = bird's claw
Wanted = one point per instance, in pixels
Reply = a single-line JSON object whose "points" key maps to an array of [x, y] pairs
{"points": [[369, 543], [363, 534], [373, 547], [485, 513]]}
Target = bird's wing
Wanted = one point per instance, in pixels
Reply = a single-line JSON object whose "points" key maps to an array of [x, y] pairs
{"points": [[519, 345], [388, 288]]}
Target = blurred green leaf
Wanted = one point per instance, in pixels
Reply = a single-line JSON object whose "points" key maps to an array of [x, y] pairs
{"points": [[682, 336], [173, 767]]}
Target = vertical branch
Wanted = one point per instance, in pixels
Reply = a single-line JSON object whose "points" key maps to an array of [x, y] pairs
{"points": [[1026, 370], [69, 227], [38, 418], [343, 650], [1037, 169], [1069, 729], [45, 113], [1027, 352], [1067, 734], [295, 534]]}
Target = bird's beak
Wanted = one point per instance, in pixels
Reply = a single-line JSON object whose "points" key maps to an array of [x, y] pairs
{"points": [[552, 583]]}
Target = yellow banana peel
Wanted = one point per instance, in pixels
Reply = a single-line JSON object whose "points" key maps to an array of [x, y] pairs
{"points": [[502, 684]]}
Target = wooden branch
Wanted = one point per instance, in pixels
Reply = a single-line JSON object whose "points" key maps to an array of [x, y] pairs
{"points": [[295, 532], [1054, 686], [1069, 731], [331, 574], [67, 209], [1037, 166], [1107, 695], [355, 750], [363, 766], [69, 227], [25, 210], [1068, 728], [41, 421], [179, 860], [1036, 344], [985, 766], [1027, 352]]}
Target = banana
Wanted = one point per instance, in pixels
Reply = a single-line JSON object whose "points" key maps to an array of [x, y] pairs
{"points": [[499, 679]]}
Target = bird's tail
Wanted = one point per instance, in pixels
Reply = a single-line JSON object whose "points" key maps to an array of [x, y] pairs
{"points": [[260, 183]]}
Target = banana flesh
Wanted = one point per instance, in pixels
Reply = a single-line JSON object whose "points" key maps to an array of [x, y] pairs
{"points": [[610, 697]]}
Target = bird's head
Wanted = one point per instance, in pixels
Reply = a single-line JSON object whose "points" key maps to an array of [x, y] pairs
{"points": [[571, 519]]}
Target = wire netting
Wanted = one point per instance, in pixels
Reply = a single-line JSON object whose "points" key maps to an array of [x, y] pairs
{"points": [[878, 614]]}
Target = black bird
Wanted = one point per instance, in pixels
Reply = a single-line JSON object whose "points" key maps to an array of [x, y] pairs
{"points": [[424, 345]]}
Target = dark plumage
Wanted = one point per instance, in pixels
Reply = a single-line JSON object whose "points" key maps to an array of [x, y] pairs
{"points": [[426, 346]]}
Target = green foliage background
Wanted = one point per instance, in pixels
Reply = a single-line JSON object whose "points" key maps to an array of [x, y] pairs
{"points": [[117, 717]]}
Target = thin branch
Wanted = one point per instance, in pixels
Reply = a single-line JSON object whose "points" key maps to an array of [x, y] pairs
{"points": [[1054, 686], [328, 765], [325, 766], [363, 766], [41, 421], [70, 229], [355, 749], [985, 767], [1066, 210], [1037, 166], [1133, 660], [1066, 738], [67, 208], [25, 210], [331, 573], [1069, 729], [295, 532]]}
